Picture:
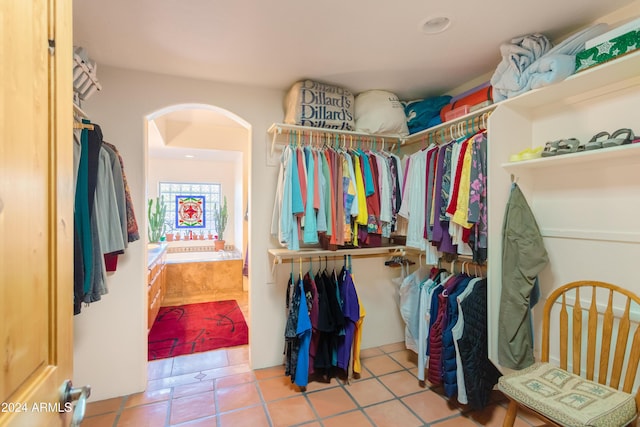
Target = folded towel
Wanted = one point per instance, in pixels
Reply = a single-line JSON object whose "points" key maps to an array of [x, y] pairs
{"points": [[523, 51], [550, 69], [529, 62], [517, 56]]}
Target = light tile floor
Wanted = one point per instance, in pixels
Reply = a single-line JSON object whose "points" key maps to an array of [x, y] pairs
{"points": [[219, 389]]}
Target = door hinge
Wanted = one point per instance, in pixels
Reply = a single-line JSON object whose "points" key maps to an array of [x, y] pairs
{"points": [[52, 47]]}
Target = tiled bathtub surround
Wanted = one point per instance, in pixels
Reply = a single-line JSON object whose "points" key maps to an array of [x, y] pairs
{"points": [[200, 281]]}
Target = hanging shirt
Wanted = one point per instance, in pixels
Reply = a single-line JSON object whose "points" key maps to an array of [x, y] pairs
{"points": [[456, 331], [82, 224], [413, 203], [328, 193], [351, 313], [453, 205], [373, 200], [384, 182], [478, 198], [352, 177], [430, 190], [292, 303], [321, 219], [363, 213], [310, 235], [461, 213], [120, 190], [349, 193], [441, 228], [303, 332], [302, 175]]}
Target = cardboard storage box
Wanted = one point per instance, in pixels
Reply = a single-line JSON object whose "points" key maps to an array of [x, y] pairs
{"points": [[608, 50]]}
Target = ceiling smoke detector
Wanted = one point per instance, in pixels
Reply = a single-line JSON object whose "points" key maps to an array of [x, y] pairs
{"points": [[435, 25]]}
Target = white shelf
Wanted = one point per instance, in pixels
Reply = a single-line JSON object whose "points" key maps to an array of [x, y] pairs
{"points": [[278, 128], [622, 153], [624, 70], [584, 202]]}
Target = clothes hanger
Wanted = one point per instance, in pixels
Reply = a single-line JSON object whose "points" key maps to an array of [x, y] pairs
{"points": [[78, 125], [78, 116], [300, 260]]}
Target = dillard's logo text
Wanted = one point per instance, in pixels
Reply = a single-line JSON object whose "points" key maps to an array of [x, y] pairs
{"points": [[320, 109]]}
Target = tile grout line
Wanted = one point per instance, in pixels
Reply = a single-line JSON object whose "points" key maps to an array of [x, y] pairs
{"points": [[215, 403], [170, 405], [426, 389], [313, 409], [119, 411], [361, 408], [263, 402]]}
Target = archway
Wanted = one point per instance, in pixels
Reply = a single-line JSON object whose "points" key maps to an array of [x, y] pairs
{"points": [[200, 143]]}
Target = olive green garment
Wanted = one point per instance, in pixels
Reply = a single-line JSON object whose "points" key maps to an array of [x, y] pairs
{"points": [[523, 258]]}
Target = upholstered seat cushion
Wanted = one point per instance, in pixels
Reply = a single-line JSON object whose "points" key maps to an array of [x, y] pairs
{"points": [[568, 399]]}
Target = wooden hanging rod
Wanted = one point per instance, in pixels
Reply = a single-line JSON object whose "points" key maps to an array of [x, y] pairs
{"points": [[280, 255]]}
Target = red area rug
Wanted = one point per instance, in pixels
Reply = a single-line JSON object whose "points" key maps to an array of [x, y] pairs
{"points": [[194, 328]]}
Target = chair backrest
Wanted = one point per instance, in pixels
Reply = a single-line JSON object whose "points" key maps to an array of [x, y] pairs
{"points": [[591, 315]]}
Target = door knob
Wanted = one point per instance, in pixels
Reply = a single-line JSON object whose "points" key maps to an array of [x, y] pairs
{"points": [[69, 393]]}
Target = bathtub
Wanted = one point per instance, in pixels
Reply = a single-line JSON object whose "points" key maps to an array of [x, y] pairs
{"points": [[196, 275], [174, 257]]}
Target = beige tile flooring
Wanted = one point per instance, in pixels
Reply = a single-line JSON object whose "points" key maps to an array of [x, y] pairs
{"points": [[219, 389]]}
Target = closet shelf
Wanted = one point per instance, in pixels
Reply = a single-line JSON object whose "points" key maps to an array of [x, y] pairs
{"points": [[280, 128], [622, 72], [280, 255], [622, 153]]}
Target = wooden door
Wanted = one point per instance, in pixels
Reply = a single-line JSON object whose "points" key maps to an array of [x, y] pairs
{"points": [[36, 210]]}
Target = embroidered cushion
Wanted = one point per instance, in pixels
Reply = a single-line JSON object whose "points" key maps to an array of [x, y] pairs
{"points": [[568, 399]]}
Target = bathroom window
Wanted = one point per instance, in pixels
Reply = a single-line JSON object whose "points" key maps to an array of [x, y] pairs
{"points": [[190, 205]]}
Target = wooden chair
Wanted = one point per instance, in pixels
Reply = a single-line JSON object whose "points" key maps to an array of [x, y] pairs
{"points": [[578, 398]]}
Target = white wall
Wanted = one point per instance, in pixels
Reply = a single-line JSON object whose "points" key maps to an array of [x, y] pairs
{"points": [[110, 347], [110, 335], [228, 174]]}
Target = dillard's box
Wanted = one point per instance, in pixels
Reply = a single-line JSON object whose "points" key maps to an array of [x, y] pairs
{"points": [[315, 104]]}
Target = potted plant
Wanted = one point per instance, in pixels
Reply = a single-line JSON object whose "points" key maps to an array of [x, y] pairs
{"points": [[220, 216], [169, 233], [157, 222]]}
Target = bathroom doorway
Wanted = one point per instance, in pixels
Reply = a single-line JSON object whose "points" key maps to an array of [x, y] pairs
{"points": [[201, 152]]}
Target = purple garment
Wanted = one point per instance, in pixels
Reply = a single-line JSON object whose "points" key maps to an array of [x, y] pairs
{"points": [[441, 228], [404, 177], [351, 312]]}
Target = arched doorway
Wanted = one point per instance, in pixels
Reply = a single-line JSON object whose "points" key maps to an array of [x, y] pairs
{"points": [[198, 145]]}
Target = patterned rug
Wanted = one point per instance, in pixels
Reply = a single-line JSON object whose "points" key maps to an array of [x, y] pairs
{"points": [[194, 328]]}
